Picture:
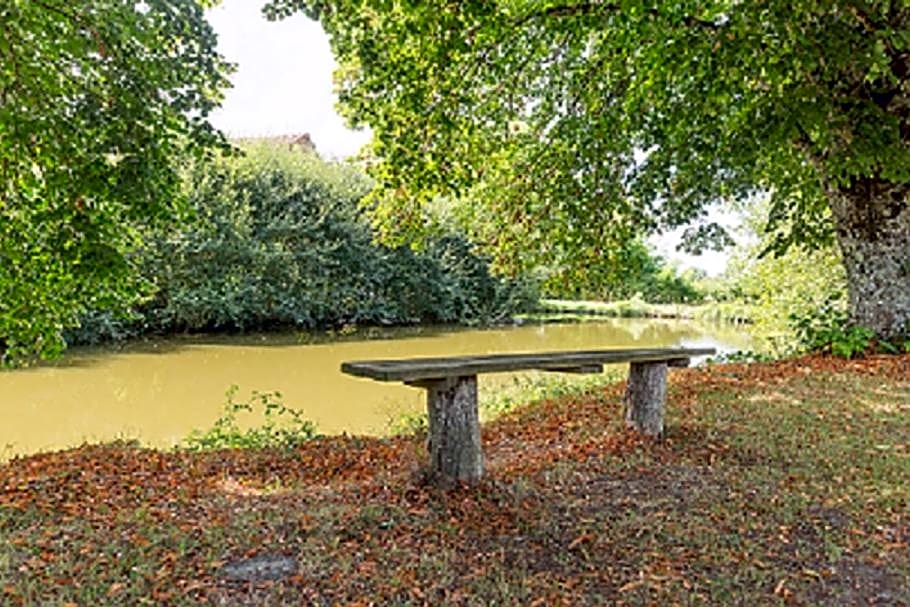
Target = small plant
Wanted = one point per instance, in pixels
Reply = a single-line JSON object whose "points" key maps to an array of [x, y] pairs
{"points": [[887, 347], [854, 341], [283, 427], [893, 347], [408, 423], [828, 329]]}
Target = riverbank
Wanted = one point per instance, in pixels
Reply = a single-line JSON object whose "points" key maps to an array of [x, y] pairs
{"points": [[562, 310], [779, 483]]}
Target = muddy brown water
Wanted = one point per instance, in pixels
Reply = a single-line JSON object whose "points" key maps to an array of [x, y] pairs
{"points": [[159, 391]]}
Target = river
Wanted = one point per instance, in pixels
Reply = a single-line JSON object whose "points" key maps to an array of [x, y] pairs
{"points": [[159, 391]]}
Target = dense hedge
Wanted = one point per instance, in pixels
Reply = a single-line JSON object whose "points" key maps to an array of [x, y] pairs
{"points": [[275, 238]]}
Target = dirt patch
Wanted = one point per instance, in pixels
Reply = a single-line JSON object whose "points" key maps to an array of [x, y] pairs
{"points": [[852, 582], [260, 568], [668, 486]]}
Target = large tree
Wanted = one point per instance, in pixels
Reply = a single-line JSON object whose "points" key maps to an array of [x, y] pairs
{"points": [[575, 124], [99, 101]]}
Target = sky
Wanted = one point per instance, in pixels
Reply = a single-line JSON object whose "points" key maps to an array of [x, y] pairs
{"points": [[283, 85], [712, 262], [283, 82]]}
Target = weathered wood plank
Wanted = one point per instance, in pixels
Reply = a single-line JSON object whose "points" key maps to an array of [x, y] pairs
{"points": [[579, 369], [413, 370]]}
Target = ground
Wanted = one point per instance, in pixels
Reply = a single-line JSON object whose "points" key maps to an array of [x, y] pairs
{"points": [[777, 484]]}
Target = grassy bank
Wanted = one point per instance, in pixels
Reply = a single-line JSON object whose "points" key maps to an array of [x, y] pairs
{"points": [[782, 483], [635, 308]]}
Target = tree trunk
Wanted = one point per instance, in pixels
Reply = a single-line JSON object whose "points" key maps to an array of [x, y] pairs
{"points": [[454, 430], [873, 230], [646, 393]]}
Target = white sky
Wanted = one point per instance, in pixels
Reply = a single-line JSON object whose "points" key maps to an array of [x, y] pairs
{"points": [[712, 262], [283, 85], [283, 82]]}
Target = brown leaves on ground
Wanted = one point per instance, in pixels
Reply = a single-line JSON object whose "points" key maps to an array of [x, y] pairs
{"points": [[780, 483]]}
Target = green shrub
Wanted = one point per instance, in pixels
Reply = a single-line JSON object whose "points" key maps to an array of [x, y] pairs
{"points": [[828, 329], [282, 428], [789, 294], [276, 238]]}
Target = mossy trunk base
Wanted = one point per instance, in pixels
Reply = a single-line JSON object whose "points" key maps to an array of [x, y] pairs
{"points": [[454, 431]]}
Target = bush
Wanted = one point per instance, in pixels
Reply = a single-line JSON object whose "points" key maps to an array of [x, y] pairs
{"points": [[276, 238], [787, 293], [800, 284], [828, 329]]}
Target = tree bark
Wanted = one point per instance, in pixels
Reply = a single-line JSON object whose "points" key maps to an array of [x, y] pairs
{"points": [[873, 230], [646, 393], [454, 430]]}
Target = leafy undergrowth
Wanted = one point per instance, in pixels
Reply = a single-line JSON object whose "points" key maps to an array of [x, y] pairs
{"points": [[781, 483]]}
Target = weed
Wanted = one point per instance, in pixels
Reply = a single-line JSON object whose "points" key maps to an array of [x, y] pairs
{"points": [[283, 427], [828, 329]]}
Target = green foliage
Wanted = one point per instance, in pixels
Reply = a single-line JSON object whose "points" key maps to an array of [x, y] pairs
{"points": [[828, 329], [282, 427], [470, 292], [408, 423], [271, 237], [637, 273], [796, 283], [801, 283], [99, 102], [276, 238], [568, 129], [543, 110]]}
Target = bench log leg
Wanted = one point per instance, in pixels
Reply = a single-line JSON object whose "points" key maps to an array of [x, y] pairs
{"points": [[646, 393], [454, 430]]}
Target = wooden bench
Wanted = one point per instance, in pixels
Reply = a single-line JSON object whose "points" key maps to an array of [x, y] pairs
{"points": [[451, 385]]}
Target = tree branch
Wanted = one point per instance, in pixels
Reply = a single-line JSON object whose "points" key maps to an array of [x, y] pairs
{"points": [[74, 17], [585, 9]]}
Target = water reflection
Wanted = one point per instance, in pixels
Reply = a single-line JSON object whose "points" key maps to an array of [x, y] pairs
{"points": [[159, 391]]}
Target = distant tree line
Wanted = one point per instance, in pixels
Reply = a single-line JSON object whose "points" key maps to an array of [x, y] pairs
{"points": [[634, 272]]}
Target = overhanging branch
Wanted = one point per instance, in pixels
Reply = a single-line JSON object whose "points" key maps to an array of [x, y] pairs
{"points": [[585, 9]]}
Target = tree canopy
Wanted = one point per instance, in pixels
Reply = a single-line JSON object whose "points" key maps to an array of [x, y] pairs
{"points": [[570, 126], [98, 102]]}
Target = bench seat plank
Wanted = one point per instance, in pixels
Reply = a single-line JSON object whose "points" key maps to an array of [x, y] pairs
{"points": [[417, 369]]}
